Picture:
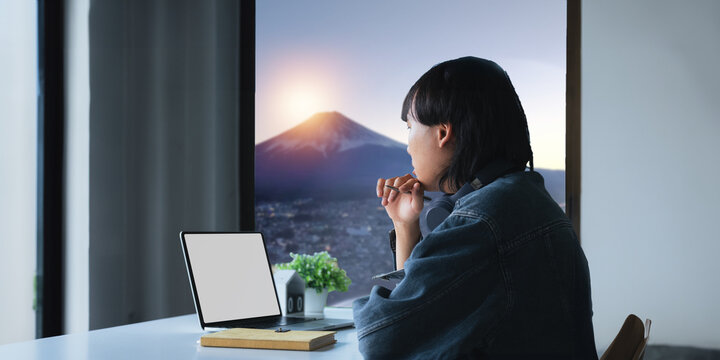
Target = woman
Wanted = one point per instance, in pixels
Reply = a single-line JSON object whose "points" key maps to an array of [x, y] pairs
{"points": [[503, 276]]}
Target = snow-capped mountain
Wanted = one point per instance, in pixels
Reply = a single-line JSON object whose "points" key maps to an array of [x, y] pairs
{"points": [[326, 155], [328, 133]]}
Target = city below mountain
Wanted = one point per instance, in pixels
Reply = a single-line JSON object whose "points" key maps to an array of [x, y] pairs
{"points": [[330, 156]]}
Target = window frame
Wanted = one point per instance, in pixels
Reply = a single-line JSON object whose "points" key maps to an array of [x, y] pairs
{"points": [[573, 115], [50, 291], [247, 115]]}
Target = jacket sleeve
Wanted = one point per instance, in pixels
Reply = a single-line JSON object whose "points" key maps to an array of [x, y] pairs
{"points": [[452, 297]]}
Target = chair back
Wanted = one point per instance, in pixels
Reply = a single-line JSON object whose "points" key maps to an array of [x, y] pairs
{"points": [[630, 342]]}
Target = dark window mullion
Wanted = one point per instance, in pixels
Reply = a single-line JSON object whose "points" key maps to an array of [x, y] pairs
{"points": [[49, 315], [246, 140], [572, 114]]}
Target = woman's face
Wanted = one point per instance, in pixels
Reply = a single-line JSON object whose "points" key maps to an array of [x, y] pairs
{"points": [[431, 149]]}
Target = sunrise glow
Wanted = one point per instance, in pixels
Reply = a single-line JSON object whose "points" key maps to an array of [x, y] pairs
{"points": [[299, 101]]}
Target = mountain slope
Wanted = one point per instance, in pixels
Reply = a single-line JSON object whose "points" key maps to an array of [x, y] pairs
{"points": [[327, 155], [327, 133]]}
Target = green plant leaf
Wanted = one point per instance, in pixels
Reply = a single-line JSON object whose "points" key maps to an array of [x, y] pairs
{"points": [[319, 270]]}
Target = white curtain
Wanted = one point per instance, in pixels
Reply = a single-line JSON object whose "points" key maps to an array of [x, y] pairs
{"points": [[163, 148]]}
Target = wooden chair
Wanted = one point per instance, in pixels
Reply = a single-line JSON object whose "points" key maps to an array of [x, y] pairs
{"points": [[630, 342]]}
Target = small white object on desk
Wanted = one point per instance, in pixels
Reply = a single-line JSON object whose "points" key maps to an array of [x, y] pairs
{"points": [[290, 291]]}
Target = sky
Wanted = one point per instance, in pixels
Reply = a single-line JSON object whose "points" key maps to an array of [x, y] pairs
{"points": [[361, 57]]}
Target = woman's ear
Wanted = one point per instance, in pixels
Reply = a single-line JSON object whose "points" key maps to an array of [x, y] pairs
{"points": [[445, 134]]}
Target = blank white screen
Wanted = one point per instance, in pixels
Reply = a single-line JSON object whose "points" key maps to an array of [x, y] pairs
{"points": [[232, 278]]}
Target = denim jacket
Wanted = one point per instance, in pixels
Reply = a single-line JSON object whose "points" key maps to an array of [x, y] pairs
{"points": [[503, 277]]}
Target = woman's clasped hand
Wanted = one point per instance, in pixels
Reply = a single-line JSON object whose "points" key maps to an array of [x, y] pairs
{"points": [[403, 206]]}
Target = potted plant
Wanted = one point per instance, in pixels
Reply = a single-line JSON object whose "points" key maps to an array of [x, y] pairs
{"points": [[321, 274]]}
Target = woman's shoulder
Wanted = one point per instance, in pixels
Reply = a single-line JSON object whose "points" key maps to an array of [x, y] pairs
{"points": [[513, 187], [517, 200]]}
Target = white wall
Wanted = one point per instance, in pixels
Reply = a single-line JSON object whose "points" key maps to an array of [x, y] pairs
{"points": [[77, 158], [18, 145], [650, 174]]}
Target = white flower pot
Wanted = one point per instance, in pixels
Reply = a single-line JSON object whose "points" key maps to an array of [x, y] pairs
{"points": [[314, 301]]}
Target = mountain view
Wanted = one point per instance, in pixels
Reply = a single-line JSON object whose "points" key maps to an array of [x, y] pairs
{"points": [[327, 156], [315, 191]]}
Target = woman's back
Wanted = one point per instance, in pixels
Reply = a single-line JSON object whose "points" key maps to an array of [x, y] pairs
{"points": [[503, 277]]}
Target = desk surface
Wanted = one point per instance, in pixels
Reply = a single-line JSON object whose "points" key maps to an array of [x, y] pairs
{"points": [[171, 338]]}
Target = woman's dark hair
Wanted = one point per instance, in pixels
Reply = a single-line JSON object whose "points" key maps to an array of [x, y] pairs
{"points": [[477, 98]]}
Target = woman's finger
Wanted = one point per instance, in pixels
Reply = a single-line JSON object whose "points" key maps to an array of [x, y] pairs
{"points": [[379, 187], [398, 181], [407, 185], [407, 177], [387, 191]]}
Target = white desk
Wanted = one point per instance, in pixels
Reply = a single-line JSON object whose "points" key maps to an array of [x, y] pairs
{"points": [[171, 338]]}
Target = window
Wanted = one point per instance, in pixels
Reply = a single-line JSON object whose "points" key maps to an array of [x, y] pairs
{"points": [[18, 149], [330, 81]]}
